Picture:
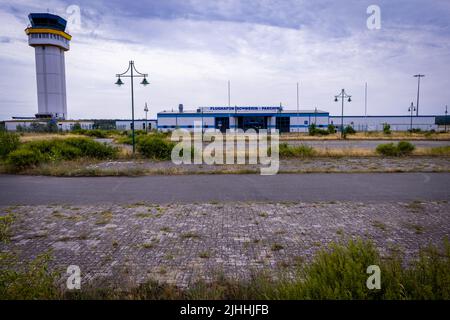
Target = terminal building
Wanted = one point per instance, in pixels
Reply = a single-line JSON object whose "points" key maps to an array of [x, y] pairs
{"points": [[242, 117], [274, 117]]}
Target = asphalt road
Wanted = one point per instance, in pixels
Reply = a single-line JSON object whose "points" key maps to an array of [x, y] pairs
{"points": [[35, 190]]}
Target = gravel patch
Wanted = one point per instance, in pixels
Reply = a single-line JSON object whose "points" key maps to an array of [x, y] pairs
{"points": [[307, 165]]}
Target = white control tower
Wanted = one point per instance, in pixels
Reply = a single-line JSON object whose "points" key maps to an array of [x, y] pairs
{"points": [[48, 37]]}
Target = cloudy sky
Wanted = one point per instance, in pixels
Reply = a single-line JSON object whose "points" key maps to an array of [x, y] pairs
{"points": [[191, 48]]}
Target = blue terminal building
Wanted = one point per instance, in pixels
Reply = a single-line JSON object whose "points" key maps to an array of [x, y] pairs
{"points": [[243, 117], [275, 117]]}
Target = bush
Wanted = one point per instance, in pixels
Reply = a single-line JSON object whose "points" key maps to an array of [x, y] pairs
{"points": [[67, 152], [313, 130], [127, 137], [403, 148], [387, 149], [91, 149], [287, 151], [76, 127], [22, 158], [34, 152], [339, 272], [8, 143], [386, 128], [97, 133], [331, 129], [155, 147], [349, 130]]}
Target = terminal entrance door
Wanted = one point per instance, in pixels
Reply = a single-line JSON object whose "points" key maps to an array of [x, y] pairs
{"points": [[222, 123], [283, 124], [255, 123]]}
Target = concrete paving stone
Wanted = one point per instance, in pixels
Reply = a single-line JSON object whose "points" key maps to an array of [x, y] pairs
{"points": [[204, 238]]}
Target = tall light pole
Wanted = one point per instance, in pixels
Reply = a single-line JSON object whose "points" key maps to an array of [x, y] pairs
{"points": [[146, 122], [298, 108], [445, 119], [418, 76], [365, 106], [202, 124], [144, 82], [229, 94], [315, 115], [343, 95], [411, 109]]}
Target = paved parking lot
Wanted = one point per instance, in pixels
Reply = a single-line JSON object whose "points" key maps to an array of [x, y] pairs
{"points": [[179, 243]]}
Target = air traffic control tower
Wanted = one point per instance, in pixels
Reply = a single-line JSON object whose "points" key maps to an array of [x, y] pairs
{"points": [[48, 37]]}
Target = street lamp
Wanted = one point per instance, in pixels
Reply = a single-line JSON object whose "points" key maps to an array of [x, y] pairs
{"points": [[144, 82], [146, 122], [411, 109], [418, 76], [445, 120], [343, 95], [315, 115]]}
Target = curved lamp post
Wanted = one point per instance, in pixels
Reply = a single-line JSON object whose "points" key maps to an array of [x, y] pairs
{"points": [[133, 74], [343, 95]]}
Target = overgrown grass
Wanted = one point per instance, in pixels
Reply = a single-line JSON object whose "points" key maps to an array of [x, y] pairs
{"points": [[28, 137], [288, 151], [27, 281], [80, 168], [97, 133], [6, 222], [337, 272], [440, 151], [126, 137]]}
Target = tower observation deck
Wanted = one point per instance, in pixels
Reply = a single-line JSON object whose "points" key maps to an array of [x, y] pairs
{"points": [[47, 35]]}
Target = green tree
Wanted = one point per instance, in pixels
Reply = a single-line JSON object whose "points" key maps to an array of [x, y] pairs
{"points": [[331, 129], [76, 126]]}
